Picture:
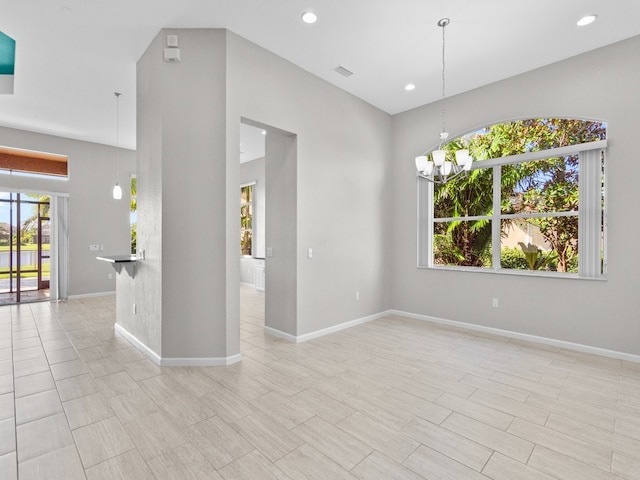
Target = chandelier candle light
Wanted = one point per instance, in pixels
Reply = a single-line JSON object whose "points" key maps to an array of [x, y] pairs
{"points": [[117, 189], [439, 169]]}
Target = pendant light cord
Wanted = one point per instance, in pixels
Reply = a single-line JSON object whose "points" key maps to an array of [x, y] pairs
{"points": [[117, 94]]}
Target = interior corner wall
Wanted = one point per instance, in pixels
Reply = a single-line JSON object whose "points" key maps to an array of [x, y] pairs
{"points": [[600, 85], [343, 151], [94, 216], [181, 284]]}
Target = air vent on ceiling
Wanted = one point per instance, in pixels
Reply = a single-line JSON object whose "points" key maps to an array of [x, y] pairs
{"points": [[343, 71]]}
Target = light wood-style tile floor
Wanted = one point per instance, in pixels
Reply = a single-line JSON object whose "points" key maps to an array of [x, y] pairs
{"points": [[392, 399]]}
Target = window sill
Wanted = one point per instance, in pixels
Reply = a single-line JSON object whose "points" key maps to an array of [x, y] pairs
{"points": [[519, 273]]}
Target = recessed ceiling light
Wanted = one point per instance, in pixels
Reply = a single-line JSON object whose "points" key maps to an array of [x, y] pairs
{"points": [[309, 17], [586, 20], [409, 86]]}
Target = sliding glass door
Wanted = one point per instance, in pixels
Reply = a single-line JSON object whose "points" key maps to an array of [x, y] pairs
{"points": [[25, 245]]}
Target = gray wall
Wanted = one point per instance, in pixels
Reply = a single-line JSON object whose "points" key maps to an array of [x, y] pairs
{"points": [[342, 208], [94, 216], [182, 199], [189, 115], [146, 290], [599, 85], [281, 282]]}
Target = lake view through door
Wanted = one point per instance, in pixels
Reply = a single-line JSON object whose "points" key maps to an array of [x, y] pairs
{"points": [[25, 247]]}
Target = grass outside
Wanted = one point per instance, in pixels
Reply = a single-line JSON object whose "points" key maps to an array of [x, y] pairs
{"points": [[30, 247], [46, 267], [46, 271]]}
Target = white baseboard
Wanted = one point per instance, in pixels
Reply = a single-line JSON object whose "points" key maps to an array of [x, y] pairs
{"points": [[177, 362], [281, 334], [223, 361], [325, 331], [91, 295], [153, 356], [201, 362], [577, 347]]}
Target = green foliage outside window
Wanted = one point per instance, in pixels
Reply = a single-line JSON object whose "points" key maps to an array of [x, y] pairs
{"points": [[133, 208], [549, 185], [246, 219]]}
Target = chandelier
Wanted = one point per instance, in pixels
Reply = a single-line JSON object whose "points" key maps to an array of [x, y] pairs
{"points": [[444, 165]]}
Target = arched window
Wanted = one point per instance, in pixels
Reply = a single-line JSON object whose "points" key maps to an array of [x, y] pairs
{"points": [[533, 202]]}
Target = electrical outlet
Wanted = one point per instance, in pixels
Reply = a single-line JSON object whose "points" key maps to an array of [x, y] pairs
{"points": [[495, 303], [357, 296]]}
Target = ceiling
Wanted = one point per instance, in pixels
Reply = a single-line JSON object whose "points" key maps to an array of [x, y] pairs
{"points": [[72, 55], [252, 143]]}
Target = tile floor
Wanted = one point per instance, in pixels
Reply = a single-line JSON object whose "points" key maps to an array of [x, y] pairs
{"points": [[393, 399]]}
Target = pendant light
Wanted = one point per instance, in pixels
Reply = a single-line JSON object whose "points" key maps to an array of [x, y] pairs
{"points": [[117, 189]]}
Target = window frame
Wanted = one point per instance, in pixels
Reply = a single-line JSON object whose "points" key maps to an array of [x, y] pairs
{"points": [[592, 215]]}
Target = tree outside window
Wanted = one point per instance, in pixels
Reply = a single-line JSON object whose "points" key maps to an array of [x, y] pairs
{"points": [[537, 207]]}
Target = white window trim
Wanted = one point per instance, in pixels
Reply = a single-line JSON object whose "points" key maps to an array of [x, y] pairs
{"points": [[589, 224]]}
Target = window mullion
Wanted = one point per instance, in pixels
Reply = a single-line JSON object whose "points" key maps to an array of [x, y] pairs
{"points": [[496, 222]]}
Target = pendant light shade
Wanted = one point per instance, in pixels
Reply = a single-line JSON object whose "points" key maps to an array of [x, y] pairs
{"points": [[117, 192], [439, 157]]}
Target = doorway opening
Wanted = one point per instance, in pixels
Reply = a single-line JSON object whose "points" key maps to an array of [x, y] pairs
{"points": [[25, 247], [252, 191], [272, 229]]}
